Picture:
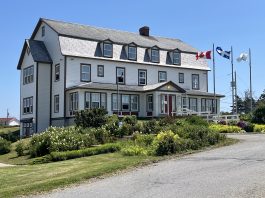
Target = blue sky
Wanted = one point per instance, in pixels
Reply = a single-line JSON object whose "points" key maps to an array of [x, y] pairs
{"points": [[199, 23]]}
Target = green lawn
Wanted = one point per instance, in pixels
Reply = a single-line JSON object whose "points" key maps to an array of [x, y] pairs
{"points": [[8, 130], [28, 179]]}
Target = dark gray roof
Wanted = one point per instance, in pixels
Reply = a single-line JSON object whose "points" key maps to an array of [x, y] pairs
{"points": [[101, 34], [200, 93], [130, 88], [38, 51]]}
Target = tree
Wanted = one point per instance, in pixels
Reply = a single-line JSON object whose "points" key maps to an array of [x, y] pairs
{"points": [[259, 114], [261, 100]]}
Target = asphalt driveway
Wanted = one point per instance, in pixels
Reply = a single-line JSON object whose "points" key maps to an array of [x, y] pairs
{"points": [[232, 171]]}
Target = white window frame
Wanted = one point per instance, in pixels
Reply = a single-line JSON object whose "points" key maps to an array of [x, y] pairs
{"points": [[108, 52], [28, 75], [95, 100], [142, 77], [176, 58], [125, 100], [83, 73], [28, 105], [132, 97], [193, 103], [132, 52], [160, 75], [181, 77], [195, 81], [150, 102], [73, 103], [120, 76], [155, 55], [100, 70]]}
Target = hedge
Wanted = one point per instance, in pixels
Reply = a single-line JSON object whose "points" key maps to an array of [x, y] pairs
{"points": [[106, 148]]}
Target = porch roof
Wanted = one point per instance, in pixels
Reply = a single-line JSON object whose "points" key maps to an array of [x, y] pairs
{"points": [[201, 93], [132, 88]]}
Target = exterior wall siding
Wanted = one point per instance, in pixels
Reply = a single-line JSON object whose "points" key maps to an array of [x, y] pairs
{"points": [[43, 96]]}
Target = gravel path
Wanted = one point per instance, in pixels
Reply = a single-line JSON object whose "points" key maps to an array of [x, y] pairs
{"points": [[232, 171]]}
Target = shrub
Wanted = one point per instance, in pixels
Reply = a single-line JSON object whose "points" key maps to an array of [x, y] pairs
{"points": [[11, 135], [165, 143], [106, 148], [59, 139], [91, 117], [167, 120], [112, 124], [131, 120], [96, 135], [20, 147], [232, 123], [138, 127], [259, 128], [259, 115], [124, 129], [151, 126], [5, 146], [134, 150], [249, 127], [143, 139], [224, 128], [196, 120]]}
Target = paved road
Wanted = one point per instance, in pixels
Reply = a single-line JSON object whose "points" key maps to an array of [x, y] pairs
{"points": [[233, 171]]}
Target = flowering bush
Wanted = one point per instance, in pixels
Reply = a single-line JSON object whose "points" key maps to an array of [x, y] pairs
{"points": [[134, 150], [225, 128], [165, 143], [59, 139], [259, 128]]}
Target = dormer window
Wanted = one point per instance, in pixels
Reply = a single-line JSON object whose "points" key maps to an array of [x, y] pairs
{"points": [[132, 52], [176, 58], [107, 50], [43, 31], [155, 55]]}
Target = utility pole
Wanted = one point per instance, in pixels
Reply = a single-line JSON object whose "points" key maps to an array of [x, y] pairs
{"points": [[235, 94], [250, 82], [232, 83]]}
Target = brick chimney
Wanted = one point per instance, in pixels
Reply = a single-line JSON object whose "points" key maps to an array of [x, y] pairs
{"points": [[144, 31]]}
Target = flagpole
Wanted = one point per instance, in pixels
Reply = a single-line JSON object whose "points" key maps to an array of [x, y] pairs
{"points": [[235, 94], [214, 80], [232, 84], [250, 81]]}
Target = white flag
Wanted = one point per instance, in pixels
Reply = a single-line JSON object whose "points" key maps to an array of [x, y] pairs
{"points": [[242, 56]]}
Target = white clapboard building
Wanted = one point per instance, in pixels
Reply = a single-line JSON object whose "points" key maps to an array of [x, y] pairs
{"points": [[66, 67]]}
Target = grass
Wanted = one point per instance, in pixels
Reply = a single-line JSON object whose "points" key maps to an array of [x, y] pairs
{"points": [[32, 179], [12, 158], [7, 130]]}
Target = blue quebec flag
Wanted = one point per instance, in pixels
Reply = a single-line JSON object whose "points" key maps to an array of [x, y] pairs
{"points": [[225, 54]]}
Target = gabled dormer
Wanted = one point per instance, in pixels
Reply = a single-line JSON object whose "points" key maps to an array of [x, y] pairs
{"points": [[107, 48], [154, 54], [129, 52], [174, 57]]}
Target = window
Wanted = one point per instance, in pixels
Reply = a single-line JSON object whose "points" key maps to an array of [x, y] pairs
{"points": [[142, 77], [107, 50], [126, 102], [120, 75], [85, 73], [27, 128], [115, 102], [149, 102], [203, 104], [134, 103], [43, 31], [56, 103], [181, 77], [176, 58], [195, 81], [155, 55], [100, 70], [73, 103], [28, 105], [132, 53], [185, 102], [28, 74], [95, 100], [57, 72], [193, 104], [162, 76]]}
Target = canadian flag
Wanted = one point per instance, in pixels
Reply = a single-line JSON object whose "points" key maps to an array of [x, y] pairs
{"points": [[206, 55]]}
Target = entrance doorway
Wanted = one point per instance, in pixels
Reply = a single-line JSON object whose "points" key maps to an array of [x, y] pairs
{"points": [[168, 104]]}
